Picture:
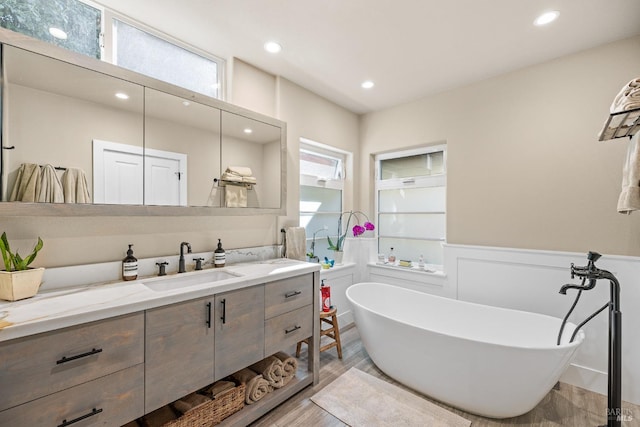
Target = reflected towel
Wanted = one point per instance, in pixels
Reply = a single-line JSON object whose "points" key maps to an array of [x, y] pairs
{"points": [[74, 186], [289, 366], [629, 199], [271, 369], [296, 243], [235, 196], [27, 185], [50, 186], [231, 177], [240, 170], [257, 387]]}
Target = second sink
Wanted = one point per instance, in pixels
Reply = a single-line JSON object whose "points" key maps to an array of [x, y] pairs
{"points": [[189, 279]]}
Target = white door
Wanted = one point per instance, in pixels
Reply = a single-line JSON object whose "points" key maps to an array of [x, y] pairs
{"points": [[118, 175], [161, 181]]}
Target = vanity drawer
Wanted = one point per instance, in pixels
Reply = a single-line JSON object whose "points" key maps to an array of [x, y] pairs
{"points": [[287, 329], [112, 400], [287, 295], [39, 365]]}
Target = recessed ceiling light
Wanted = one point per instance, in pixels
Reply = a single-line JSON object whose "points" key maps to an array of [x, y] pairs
{"points": [[368, 84], [247, 130], [272, 47], [546, 18], [122, 95], [58, 33]]}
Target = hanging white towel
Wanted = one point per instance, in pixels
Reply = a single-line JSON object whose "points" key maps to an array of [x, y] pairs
{"points": [[74, 186], [296, 243], [629, 199], [27, 185], [235, 196], [50, 186]]}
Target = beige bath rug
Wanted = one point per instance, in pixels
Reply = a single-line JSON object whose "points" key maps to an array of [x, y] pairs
{"points": [[358, 399]]}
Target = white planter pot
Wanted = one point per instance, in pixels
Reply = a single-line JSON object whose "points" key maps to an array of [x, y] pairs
{"points": [[16, 285]]}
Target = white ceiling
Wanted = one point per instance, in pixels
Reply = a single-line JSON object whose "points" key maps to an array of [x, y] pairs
{"points": [[409, 48]]}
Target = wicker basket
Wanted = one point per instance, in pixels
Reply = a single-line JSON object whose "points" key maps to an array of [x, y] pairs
{"points": [[213, 412]]}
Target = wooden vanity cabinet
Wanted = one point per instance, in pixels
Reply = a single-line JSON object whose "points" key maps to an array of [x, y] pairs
{"points": [[179, 351], [239, 326], [93, 370]]}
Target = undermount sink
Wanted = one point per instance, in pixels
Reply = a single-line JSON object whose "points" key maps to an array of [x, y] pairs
{"points": [[188, 279]]}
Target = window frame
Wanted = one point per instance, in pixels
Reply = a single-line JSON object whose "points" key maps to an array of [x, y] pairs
{"points": [[325, 182], [110, 45], [426, 181]]}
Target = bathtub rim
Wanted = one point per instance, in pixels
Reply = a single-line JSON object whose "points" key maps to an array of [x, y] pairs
{"points": [[565, 346]]}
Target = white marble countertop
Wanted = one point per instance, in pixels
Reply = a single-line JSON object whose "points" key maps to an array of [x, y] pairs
{"points": [[60, 308]]}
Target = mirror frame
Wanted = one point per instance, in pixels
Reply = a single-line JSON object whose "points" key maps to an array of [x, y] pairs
{"points": [[27, 43]]}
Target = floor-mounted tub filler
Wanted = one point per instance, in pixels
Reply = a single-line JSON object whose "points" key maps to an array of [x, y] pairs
{"points": [[489, 361]]}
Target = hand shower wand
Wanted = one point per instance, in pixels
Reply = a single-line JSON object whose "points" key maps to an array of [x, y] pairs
{"points": [[591, 273]]}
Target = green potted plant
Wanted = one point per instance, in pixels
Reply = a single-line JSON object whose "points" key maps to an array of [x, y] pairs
{"points": [[18, 281]]}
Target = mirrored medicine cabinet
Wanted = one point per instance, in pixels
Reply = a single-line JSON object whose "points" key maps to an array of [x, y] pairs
{"points": [[84, 137]]}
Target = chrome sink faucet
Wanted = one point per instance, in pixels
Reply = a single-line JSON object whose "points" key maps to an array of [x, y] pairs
{"points": [[181, 267]]}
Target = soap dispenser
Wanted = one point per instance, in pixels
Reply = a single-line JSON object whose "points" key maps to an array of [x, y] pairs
{"points": [[130, 266], [219, 256]]}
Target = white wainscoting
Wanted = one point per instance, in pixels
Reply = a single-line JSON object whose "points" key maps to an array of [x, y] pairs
{"points": [[339, 278], [530, 280]]}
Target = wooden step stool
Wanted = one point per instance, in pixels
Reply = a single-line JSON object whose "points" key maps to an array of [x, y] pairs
{"points": [[331, 318]]}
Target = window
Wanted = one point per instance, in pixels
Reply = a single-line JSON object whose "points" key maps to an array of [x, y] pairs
{"points": [[411, 203], [145, 53], [81, 26], [71, 24], [322, 171]]}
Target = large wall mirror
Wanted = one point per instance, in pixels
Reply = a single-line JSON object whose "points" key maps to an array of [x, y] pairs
{"points": [[78, 135]]}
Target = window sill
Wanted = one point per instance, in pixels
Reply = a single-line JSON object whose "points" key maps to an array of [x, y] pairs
{"points": [[430, 270]]}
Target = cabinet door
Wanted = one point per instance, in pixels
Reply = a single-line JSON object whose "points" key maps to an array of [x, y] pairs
{"points": [[178, 351], [239, 320]]}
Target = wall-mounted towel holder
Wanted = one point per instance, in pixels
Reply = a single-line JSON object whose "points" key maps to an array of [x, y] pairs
{"points": [[223, 183], [621, 125]]}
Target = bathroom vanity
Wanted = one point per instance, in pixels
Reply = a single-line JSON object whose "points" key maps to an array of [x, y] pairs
{"points": [[108, 354]]}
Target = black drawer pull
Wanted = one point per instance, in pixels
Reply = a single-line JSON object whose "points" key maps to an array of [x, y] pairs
{"points": [[295, 328], [224, 311], [66, 423], [66, 359], [292, 294], [208, 315]]}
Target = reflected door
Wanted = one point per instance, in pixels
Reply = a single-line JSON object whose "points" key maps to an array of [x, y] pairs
{"points": [[117, 172], [165, 178]]}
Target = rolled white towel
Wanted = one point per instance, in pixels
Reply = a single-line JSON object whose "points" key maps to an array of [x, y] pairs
{"points": [[628, 98], [240, 170]]}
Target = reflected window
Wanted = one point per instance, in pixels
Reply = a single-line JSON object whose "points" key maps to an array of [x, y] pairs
{"points": [[411, 203], [321, 187], [153, 56], [71, 24]]}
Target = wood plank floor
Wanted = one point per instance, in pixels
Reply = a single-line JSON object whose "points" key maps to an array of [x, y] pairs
{"points": [[567, 407]]}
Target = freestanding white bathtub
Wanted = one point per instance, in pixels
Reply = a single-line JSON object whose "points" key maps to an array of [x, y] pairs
{"points": [[489, 361]]}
